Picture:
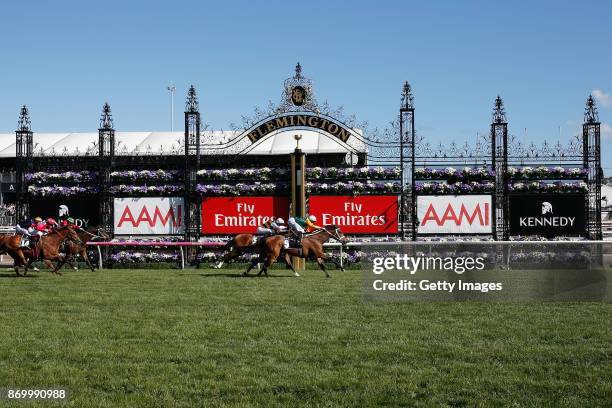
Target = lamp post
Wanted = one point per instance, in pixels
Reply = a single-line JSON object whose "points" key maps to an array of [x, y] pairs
{"points": [[171, 88]]}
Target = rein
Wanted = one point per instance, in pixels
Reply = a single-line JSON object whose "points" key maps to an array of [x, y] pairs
{"points": [[92, 235], [332, 235]]}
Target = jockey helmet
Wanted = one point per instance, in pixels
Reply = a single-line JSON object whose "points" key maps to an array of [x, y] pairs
{"points": [[280, 221], [312, 218], [70, 220], [51, 221], [37, 219]]}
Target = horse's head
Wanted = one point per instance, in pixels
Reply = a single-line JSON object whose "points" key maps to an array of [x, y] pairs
{"points": [[69, 234], [336, 233], [103, 234], [100, 232]]}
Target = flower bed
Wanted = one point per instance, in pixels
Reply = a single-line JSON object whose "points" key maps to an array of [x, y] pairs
{"points": [[543, 172], [240, 188], [136, 257], [312, 173], [159, 175], [556, 187], [454, 188], [353, 173], [43, 177], [261, 174], [451, 173], [43, 191], [145, 189], [354, 187]]}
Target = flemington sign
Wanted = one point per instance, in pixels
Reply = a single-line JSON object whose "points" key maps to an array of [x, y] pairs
{"points": [[300, 120]]}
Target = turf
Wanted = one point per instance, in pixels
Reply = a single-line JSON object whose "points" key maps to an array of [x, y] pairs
{"points": [[207, 338]]}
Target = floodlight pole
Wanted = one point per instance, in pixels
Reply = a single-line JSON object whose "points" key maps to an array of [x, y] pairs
{"points": [[171, 88]]}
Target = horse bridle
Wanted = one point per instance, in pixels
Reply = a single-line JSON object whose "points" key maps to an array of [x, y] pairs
{"points": [[334, 235]]}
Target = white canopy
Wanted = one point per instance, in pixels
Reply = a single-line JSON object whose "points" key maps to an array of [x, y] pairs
{"points": [[160, 143]]}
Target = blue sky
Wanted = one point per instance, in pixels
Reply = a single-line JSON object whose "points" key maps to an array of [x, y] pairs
{"points": [[65, 59]]}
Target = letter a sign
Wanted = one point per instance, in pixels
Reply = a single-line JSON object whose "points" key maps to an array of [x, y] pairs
{"points": [[149, 216]]}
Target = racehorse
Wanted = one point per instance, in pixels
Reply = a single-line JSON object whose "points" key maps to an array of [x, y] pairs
{"points": [[48, 246], [312, 247], [11, 245], [72, 249], [238, 245]]}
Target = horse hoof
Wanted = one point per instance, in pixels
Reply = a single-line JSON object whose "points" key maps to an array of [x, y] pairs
{"points": [[75, 268], [297, 275], [35, 269]]}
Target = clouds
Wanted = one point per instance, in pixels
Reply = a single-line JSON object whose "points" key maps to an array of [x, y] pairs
{"points": [[606, 131], [602, 98]]}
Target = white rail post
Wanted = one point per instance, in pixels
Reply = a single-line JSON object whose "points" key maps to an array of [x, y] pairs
{"points": [[100, 263], [182, 257]]}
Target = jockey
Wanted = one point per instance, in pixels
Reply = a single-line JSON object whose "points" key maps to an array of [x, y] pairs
{"points": [[278, 226], [300, 225], [265, 229], [39, 227], [68, 222], [51, 224], [22, 227], [272, 227]]}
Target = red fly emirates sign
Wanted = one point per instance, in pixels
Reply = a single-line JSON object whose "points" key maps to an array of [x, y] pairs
{"points": [[356, 215], [236, 215], [467, 214]]}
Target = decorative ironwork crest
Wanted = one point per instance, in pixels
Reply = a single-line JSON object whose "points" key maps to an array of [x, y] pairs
{"points": [[106, 120], [192, 105], [24, 124], [590, 111]]}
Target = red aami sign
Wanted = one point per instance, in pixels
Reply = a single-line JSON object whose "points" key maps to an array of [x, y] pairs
{"points": [[356, 215], [235, 215]]}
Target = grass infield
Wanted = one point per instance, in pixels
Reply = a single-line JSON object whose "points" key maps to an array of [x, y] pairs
{"points": [[119, 338]]}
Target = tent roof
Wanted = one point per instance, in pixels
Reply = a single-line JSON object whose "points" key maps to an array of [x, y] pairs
{"points": [[162, 143]]}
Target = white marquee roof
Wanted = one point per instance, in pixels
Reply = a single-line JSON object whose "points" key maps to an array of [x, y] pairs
{"points": [[160, 143]]}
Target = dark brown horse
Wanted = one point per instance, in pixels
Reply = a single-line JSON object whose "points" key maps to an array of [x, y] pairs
{"points": [[48, 248], [72, 249], [312, 247]]}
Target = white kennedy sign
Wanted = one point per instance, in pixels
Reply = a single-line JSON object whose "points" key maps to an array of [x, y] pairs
{"points": [[464, 214], [149, 215]]}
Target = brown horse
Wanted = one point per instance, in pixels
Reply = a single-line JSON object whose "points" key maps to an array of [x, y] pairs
{"points": [[48, 247], [238, 245], [312, 247], [11, 245], [72, 249]]}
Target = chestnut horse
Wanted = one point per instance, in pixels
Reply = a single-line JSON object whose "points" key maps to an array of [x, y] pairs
{"points": [[238, 245], [48, 246], [72, 249], [11, 244], [312, 247]]}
